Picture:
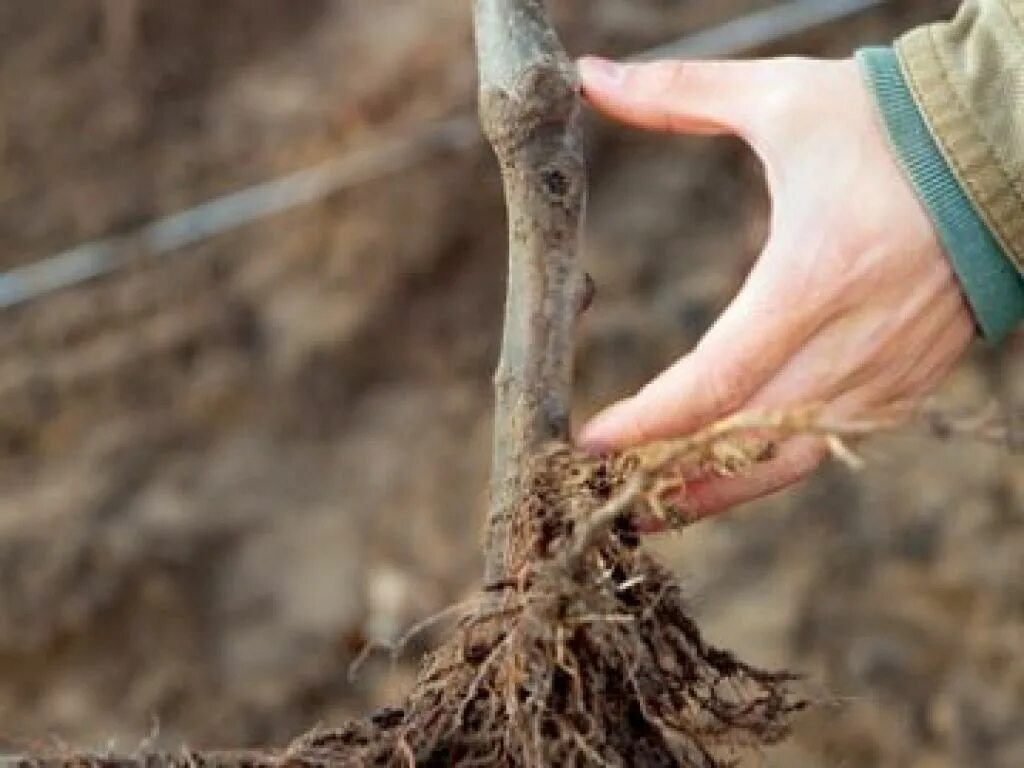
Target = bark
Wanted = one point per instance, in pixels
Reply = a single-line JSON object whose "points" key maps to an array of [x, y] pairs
{"points": [[529, 111]]}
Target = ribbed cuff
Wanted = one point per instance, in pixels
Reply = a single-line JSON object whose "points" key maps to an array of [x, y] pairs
{"points": [[994, 288]]}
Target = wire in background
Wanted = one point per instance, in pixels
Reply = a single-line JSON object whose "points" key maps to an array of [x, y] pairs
{"points": [[172, 233]]}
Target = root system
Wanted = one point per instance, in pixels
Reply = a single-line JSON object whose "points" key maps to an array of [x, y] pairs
{"points": [[589, 655]]}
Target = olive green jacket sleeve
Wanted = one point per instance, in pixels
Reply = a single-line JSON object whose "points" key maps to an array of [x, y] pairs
{"points": [[968, 78], [951, 95]]}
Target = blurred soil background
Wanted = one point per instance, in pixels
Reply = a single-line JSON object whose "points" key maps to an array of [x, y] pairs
{"points": [[225, 470]]}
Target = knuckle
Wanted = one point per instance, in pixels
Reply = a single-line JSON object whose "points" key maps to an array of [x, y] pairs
{"points": [[681, 78], [658, 78]]}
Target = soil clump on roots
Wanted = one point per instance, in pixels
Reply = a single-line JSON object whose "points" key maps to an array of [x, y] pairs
{"points": [[586, 656]]}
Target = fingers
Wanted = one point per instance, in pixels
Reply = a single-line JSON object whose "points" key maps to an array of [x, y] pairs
{"points": [[745, 348], [899, 356], [795, 460], [799, 457], [704, 97]]}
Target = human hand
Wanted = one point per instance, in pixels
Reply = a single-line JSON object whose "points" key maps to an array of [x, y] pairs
{"points": [[852, 304]]}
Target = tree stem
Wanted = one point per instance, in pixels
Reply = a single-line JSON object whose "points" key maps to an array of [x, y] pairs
{"points": [[529, 110]]}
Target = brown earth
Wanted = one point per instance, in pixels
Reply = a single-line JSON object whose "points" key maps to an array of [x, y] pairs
{"points": [[224, 471]]}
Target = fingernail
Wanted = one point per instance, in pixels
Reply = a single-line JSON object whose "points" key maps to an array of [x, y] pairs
{"points": [[595, 71]]}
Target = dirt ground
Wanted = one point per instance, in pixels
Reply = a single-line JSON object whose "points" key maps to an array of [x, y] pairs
{"points": [[226, 470]]}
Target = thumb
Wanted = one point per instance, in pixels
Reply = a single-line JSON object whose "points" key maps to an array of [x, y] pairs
{"points": [[694, 97]]}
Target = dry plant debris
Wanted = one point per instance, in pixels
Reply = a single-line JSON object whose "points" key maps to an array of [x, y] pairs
{"points": [[587, 655]]}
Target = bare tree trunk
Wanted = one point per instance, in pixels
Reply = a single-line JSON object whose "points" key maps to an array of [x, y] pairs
{"points": [[529, 110]]}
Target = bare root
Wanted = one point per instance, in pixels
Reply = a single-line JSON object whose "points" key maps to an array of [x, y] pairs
{"points": [[589, 655]]}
